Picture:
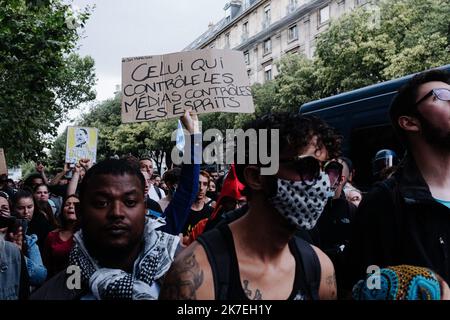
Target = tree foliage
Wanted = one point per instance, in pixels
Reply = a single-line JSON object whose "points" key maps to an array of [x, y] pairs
{"points": [[40, 76], [373, 43], [361, 48], [386, 41]]}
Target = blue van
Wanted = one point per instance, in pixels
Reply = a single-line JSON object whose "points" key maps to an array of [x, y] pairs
{"points": [[362, 117]]}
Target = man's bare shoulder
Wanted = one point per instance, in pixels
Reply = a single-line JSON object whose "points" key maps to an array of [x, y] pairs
{"points": [[189, 277], [327, 289]]}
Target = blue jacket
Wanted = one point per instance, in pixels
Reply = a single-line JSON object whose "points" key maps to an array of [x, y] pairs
{"points": [[10, 266], [177, 211], [36, 270]]}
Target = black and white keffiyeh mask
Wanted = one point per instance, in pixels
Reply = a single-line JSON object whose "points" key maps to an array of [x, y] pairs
{"points": [[301, 203], [151, 265]]}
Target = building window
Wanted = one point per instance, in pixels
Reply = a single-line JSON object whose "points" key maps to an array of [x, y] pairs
{"points": [[228, 14], [291, 6], [266, 17], [227, 40], [247, 57], [268, 73], [267, 46], [293, 33], [245, 4], [324, 15], [245, 31], [341, 5]]}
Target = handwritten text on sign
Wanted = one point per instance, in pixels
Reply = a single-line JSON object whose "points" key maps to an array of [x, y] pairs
{"points": [[161, 87]]}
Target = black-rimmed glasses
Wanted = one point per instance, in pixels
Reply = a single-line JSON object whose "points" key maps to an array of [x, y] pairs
{"points": [[440, 93]]}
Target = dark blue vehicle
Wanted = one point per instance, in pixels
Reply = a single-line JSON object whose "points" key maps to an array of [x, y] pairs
{"points": [[362, 117]]}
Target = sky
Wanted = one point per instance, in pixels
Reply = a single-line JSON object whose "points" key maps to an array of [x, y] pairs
{"points": [[119, 28]]}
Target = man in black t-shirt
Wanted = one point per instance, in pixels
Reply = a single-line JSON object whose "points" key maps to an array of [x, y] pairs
{"points": [[199, 209]]}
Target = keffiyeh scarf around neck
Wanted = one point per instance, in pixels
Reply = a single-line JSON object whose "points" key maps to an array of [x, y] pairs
{"points": [[152, 264]]}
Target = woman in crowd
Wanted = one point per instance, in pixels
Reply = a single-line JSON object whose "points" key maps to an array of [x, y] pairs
{"points": [[26, 240], [59, 242], [13, 276], [41, 196]]}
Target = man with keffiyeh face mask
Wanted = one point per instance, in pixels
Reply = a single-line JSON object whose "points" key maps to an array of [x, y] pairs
{"points": [[257, 255]]}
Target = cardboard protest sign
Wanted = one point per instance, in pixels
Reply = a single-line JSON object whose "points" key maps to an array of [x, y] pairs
{"points": [[81, 144], [164, 86], [3, 167]]}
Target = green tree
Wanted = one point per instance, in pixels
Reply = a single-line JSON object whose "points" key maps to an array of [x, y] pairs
{"points": [[296, 82], [368, 46], [40, 76]]}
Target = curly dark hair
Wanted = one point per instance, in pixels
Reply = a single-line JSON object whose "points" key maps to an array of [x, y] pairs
{"points": [[295, 132]]}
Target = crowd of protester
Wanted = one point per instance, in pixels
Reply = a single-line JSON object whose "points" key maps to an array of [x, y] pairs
{"points": [[207, 232]]}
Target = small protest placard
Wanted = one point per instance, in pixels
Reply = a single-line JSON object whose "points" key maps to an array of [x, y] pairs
{"points": [[164, 86], [81, 144], [3, 167]]}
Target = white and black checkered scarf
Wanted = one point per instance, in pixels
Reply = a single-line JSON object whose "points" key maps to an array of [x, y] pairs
{"points": [[153, 262]]}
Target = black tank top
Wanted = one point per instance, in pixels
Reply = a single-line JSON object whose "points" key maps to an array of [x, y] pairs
{"points": [[235, 290]]}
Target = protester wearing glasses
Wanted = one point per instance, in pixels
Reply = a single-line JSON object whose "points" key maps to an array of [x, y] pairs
{"points": [[406, 218], [258, 256]]}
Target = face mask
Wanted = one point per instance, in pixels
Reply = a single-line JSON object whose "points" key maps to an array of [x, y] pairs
{"points": [[302, 204]]}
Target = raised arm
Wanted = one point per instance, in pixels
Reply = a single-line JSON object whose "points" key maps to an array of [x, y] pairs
{"points": [[41, 169], [59, 176], [177, 211]]}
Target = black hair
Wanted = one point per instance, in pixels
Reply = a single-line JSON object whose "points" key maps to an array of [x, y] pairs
{"points": [[31, 177], [21, 193], [40, 185], [295, 132], [154, 176], [116, 167], [404, 103], [172, 176]]}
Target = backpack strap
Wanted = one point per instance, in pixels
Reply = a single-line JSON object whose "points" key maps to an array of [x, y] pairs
{"points": [[219, 259], [311, 267]]}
